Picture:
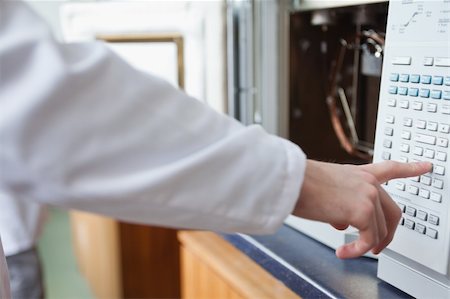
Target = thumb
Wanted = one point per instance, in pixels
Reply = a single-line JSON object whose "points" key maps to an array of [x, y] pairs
{"points": [[389, 170]]}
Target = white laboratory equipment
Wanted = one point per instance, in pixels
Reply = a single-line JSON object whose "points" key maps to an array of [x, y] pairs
{"points": [[413, 124]]}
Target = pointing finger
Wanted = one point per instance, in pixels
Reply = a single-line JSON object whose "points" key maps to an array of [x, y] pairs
{"points": [[389, 170]]}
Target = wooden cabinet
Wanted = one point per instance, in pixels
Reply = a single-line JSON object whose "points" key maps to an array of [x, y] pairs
{"points": [[213, 268], [121, 260]]}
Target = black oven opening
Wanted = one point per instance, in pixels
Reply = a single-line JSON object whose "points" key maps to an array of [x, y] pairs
{"points": [[334, 72]]}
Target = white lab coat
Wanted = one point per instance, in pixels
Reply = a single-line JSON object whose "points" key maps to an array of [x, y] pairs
{"points": [[80, 128]]}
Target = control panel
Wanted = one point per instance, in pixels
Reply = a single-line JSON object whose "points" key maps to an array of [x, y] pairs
{"points": [[413, 124]]}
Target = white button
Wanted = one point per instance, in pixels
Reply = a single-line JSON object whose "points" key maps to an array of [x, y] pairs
{"points": [[432, 108], [406, 135], [422, 215], [391, 102], [438, 169], [411, 211], [445, 109], [428, 61], [404, 104], [432, 233], [433, 219], [413, 190], [418, 151], [442, 142], [401, 60], [425, 180], [421, 124], [438, 61], [441, 156], [403, 159], [427, 139], [386, 156], [404, 148], [444, 128], [436, 197], [439, 184], [429, 154], [409, 223], [400, 186], [389, 131], [417, 106], [420, 228], [390, 119], [432, 126], [387, 143], [415, 178], [424, 193], [407, 122]]}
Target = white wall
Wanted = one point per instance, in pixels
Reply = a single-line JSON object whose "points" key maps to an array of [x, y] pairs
{"points": [[202, 24]]}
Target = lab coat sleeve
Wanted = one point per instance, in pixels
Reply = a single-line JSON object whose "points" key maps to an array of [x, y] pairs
{"points": [[82, 129]]}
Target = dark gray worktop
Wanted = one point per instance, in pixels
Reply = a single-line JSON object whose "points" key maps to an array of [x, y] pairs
{"points": [[312, 270]]}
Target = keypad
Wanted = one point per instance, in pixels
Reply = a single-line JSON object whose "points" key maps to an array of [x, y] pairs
{"points": [[414, 130], [419, 221]]}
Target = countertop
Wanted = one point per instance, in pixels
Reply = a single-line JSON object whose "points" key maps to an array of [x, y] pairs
{"points": [[311, 269]]}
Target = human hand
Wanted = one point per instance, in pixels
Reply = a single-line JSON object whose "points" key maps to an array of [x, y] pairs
{"points": [[344, 195]]}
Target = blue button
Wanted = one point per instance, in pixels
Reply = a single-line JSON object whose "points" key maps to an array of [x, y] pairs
{"points": [[415, 78], [403, 91], [438, 80], [446, 95], [436, 94], [393, 89], [447, 81], [425, 79], [404, 78], [393, 77], [414, 92], [425, 93]]}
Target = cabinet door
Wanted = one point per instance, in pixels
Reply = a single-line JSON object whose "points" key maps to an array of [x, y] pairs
{"points": [[213, 268]]}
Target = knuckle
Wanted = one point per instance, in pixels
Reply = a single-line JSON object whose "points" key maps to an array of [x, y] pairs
{"points": [[371, 192]]}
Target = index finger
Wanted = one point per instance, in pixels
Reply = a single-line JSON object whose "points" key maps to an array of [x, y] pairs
{"points": [[389, 170]]}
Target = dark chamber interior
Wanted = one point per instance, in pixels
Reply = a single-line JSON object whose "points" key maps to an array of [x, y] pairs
{"points": [[315, 40]]}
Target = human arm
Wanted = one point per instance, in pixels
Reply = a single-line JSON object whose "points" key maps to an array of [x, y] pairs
{"points": [[81, 129]]}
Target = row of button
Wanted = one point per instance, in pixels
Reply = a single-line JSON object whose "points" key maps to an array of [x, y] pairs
{"points": [[420, 228], [425, 180], [422, 138], [414, 190], [423, 92], [420, 215], [424, 79], [421, 124], [427, 61], [418, 106], [419, 151]]}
